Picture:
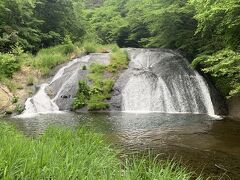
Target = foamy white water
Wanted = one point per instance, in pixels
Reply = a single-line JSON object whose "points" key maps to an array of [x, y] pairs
{"points": [[162, 81]]}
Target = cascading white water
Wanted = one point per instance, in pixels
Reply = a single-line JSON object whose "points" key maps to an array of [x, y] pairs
{"points": [[58, 95], [162, 81], [40, 103], [159, 81]]}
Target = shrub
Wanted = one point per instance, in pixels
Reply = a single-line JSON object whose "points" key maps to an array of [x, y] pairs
{"points": [[96, 102], [97, 106], [8, 64], [82, 96], [224, 67], [15, 99], [79, 101], [104, 86], [19, 108], [100, 92]]}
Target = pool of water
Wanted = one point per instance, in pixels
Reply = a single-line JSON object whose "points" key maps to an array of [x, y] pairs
{"points": [[203, 143]]}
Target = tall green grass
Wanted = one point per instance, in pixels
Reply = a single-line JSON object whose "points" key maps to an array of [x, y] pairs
{"points": [[48, 58], [63, 153], [94, 47]]}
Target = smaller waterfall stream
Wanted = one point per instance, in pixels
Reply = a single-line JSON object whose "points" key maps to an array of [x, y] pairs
{"points": [[40, 103], [58, 95]]}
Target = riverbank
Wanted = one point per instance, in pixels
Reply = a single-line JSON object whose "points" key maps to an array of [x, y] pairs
{"points": [[63, 153]]}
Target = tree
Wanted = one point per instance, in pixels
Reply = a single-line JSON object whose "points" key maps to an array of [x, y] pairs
{"points": [[18, 24]]}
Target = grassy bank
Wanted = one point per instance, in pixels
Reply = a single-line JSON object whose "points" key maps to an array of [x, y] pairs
{"points": [[63, 153]]}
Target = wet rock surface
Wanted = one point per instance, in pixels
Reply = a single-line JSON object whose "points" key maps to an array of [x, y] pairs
{"points": [[65, 85]]}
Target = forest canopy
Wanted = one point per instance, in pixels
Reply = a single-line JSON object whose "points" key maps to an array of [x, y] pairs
{"points": [[205, 31]]}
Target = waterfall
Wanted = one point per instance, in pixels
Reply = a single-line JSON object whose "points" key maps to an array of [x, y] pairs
{"points": [[157, 80], [58, 95], [40, 103], [162, 81]]}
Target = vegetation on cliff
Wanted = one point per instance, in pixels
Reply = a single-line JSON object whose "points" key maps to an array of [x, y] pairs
{"points": [[101, 80]]}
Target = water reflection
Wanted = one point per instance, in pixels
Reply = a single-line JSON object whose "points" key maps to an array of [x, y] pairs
{"points": [[200, 140]]}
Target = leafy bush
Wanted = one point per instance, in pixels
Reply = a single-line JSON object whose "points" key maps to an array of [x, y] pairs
{"points": [[19, 108], [97, 102], [8, 64], [79, 101], [224, 66], [82, 96], [15, 99], [97, 68]]}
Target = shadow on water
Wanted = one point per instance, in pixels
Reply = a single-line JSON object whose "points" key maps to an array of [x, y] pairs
{"points": [[203, 143]]}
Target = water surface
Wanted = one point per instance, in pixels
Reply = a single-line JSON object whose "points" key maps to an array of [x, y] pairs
{"points": [[202, 142]]}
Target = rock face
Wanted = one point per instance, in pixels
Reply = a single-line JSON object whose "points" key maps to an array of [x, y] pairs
{"points": [[161, 80], [5, 98], [234, 107], [58, 95]]}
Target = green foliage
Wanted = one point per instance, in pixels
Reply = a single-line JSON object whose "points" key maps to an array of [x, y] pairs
{"points": [[102, 77], [100, 89], [34, 24], [224, 64], [15, 99], [63, 153], [19, 108], [12, 86], [97, 102], [30, 80], [90, 48], [8, 65], [218, 22], [97, 69], [48, 58], [105, 22], [19, 25], [119, 61], [82, 96]]}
